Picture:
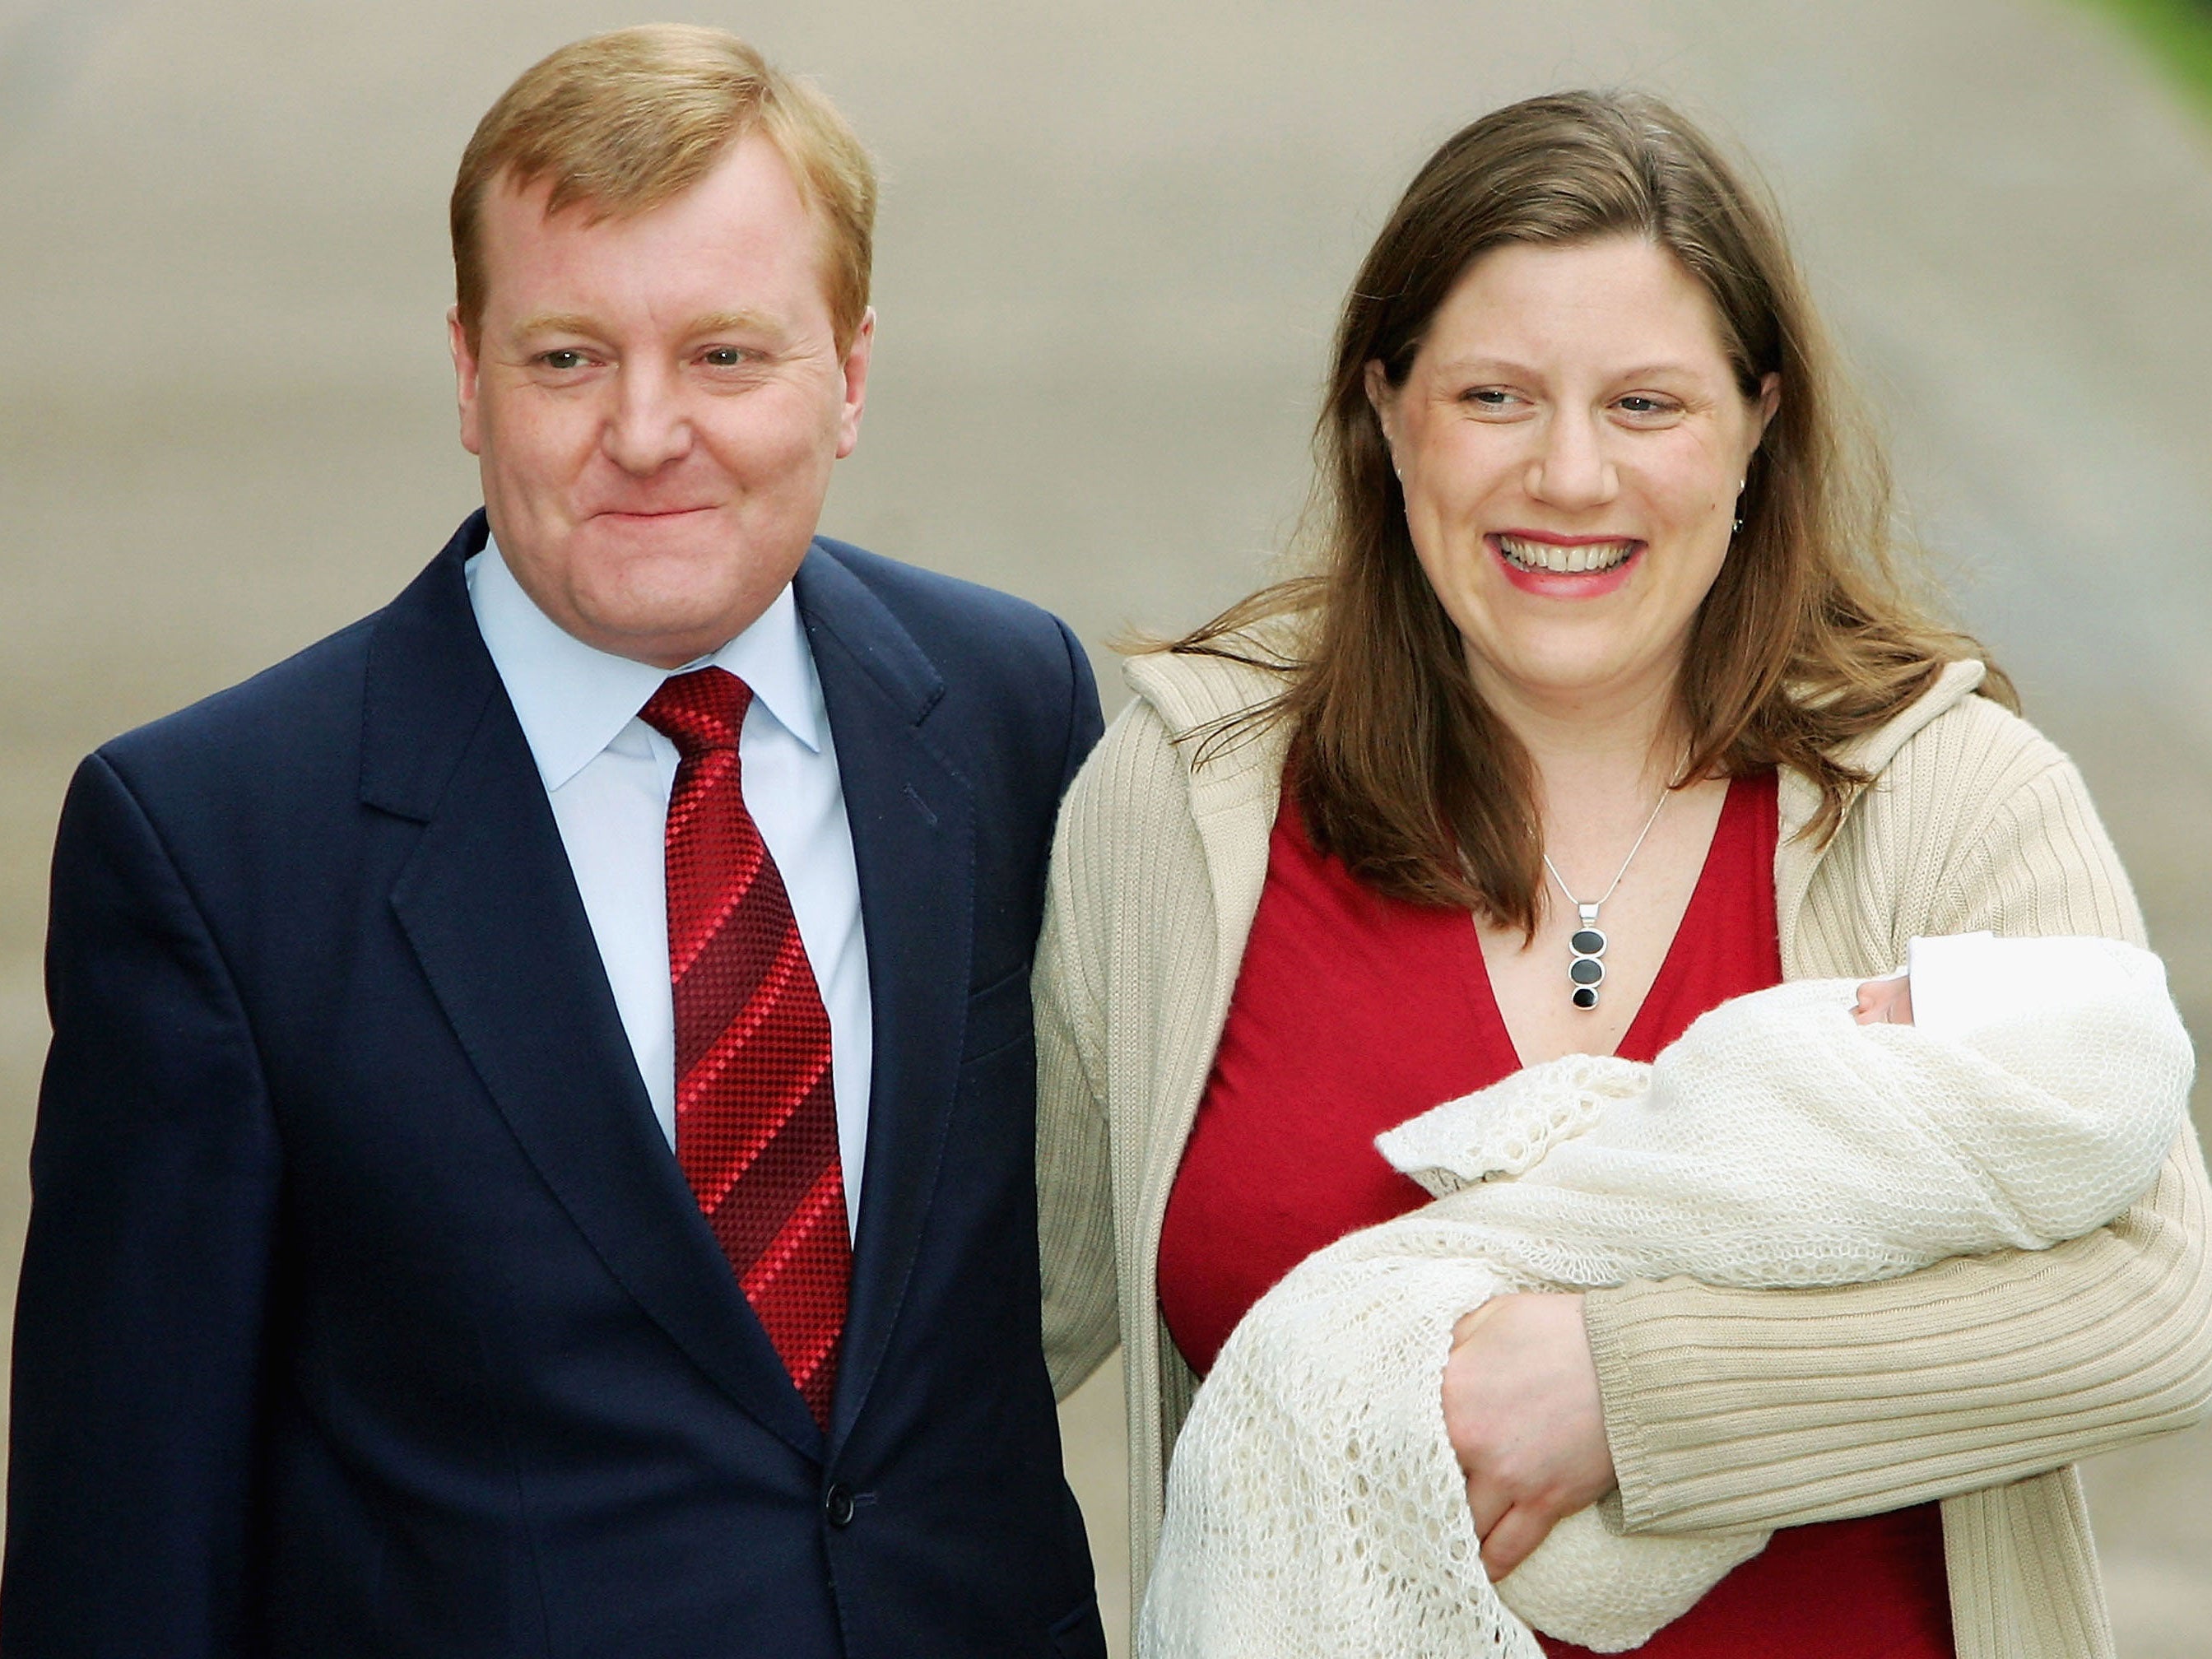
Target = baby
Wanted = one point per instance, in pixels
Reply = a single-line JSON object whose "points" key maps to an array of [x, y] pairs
{"points": [[1886, 1001], [1962, 981]]}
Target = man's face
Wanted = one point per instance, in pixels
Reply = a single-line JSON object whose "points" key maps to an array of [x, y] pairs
{"points": [[656, 401]]}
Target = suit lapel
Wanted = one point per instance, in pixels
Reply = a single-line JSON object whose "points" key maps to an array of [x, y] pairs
{"points": [[488, 904], [912, 821]]}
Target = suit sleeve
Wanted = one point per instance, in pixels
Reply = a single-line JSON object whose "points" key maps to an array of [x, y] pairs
{"points": [[1732, 1409], [1084, 724], [140, 1319]]}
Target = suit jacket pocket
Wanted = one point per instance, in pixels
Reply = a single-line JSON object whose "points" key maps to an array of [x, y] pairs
{"points": [[998, 1015], [1079, 1634]]}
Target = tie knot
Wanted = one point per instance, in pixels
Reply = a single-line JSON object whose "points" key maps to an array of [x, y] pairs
{"points": [[701, 710]]}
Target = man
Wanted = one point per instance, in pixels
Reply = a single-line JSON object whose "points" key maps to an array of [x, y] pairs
{"points": [[536, 1153]]}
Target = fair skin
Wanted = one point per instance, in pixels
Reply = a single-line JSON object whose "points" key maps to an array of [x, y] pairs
{"points": [[1570, 440], [1884, 1002], [656, 401]]}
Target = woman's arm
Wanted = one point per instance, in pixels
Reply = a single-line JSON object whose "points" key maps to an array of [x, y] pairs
{"points": [[1075, 1230], [1075, 1212], [1761, 1408]]}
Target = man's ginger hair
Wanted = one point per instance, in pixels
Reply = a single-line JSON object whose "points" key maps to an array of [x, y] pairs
{"points": [[620, 123]]}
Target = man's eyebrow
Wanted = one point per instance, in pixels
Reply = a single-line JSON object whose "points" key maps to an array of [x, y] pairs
{"points": [[734, 322], [556, 322], [542, 322]]}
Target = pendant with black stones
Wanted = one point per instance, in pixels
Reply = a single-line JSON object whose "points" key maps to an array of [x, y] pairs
{"points": [[1587, 971]]}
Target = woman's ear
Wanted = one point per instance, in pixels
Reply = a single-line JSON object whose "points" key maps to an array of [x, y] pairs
{"points": [[1770, 399], [1384, 401]]}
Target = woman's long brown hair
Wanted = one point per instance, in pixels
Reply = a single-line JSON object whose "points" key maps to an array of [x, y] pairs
{"points": [[1808, 637]]}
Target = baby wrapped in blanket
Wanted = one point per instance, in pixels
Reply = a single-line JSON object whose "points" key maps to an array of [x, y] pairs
{"points": [[1315, 1507]]}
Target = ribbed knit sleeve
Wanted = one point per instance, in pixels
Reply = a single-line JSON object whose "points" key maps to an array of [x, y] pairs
{"points": [[1761, 1408], [1075, 1209], [1162, 853]]}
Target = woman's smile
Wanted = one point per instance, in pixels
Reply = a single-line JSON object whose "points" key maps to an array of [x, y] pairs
{"points": [[1563, 556], [1565, 568]]}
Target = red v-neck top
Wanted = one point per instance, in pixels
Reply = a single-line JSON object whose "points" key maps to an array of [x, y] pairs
{"points": [[1353, 1012]]}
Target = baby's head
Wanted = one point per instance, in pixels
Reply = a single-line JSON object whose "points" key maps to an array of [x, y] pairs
{"points": [[1885, 1001]]}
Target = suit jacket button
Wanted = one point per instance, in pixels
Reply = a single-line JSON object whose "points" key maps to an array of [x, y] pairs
{"points": [[837, 1505]]}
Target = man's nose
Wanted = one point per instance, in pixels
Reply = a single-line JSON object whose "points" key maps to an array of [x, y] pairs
{"points": [[649, 425], [1570, 468]]}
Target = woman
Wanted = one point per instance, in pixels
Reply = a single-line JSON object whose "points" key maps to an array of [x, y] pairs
{"points": [[1608, 707]]}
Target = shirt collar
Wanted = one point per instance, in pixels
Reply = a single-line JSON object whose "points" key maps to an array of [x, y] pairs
{"points": [[575, 700]]}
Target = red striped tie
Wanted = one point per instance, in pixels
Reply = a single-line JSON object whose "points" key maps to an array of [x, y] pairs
{"points": [[756, 1116]]}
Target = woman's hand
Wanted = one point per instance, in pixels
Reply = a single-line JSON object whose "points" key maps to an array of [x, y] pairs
{"points": [[1526, 1420]]}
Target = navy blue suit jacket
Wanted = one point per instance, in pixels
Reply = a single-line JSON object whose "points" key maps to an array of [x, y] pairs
{"points": [[364, 1309]]}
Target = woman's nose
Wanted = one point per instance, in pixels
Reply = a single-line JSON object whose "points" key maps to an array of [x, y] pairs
{"points": [[1570, 468]]}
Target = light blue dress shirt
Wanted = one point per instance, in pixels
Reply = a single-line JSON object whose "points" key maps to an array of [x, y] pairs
{"points": [[608, 775]]}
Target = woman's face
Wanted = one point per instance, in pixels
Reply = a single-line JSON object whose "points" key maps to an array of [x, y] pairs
{"points": [[1571, 441]]}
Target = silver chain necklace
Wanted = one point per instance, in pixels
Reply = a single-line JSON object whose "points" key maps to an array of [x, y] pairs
{"points": [[1586, 971]]}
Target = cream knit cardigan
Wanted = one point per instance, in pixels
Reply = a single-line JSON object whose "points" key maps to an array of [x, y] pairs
{"points": [[1977, 1382]]}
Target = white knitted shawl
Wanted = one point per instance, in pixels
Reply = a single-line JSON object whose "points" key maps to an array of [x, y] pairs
{"points": [[1315, 1508]]}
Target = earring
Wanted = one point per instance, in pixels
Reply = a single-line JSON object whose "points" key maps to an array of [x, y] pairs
{"points": [[1738, 527]]}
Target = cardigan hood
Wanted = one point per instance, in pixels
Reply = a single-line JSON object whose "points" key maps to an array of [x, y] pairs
{"points": [[1190, 693]]}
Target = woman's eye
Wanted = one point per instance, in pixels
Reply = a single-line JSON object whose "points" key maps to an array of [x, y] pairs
{"points": [[1638, 405], [1490, 397]]}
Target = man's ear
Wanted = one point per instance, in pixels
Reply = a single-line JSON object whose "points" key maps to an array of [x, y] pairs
{"points": [[465, 380], [855, 369]]}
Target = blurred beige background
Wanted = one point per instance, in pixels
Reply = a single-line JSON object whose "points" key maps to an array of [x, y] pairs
{"points": [[1112, 239]]}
